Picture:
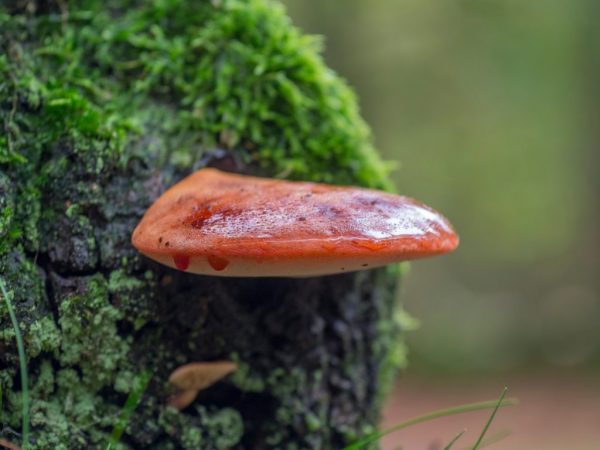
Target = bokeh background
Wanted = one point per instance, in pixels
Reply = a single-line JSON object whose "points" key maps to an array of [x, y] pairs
{"points": [[490, 109]]}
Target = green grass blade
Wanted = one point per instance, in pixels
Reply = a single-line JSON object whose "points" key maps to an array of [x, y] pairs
{"points": [[491, 440], [453, 441], [470, 407], [22, 367], [490, 419], [132, 401]]}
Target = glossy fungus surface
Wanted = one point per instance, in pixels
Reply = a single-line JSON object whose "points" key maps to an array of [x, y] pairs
{"points": [[218, 223]]}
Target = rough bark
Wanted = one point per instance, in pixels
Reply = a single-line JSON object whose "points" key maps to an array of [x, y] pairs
{"points": [[97, 124]]}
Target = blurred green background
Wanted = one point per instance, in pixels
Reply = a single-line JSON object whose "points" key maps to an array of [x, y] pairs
{"points": [[491, 108]]}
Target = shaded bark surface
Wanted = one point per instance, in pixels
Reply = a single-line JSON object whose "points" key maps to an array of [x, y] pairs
{"points": [[98, 103], [311, 350]]}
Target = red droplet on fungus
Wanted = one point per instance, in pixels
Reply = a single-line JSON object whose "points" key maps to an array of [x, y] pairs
{"points": [[217, 263], [182, 262]]}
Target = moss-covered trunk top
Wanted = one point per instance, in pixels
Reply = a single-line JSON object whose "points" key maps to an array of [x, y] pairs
{"points": [[104, 104]]}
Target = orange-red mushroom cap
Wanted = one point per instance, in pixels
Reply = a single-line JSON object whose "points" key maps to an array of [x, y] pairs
{"points": [[217, 223]]}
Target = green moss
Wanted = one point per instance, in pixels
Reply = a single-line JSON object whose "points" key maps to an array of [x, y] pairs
{"points": [[224, 427], [43, 337], [83, 318], [216, 429], [62, 408], [131, 294], [261, 90], [7, 205], [244, 379], [192, 438], [119, 281]]}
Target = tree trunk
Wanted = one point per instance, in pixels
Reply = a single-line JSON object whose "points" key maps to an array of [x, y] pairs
{"points": [[104, 105]]}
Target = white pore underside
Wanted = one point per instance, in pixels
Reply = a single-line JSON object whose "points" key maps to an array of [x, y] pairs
{"points": [[239, 267]]}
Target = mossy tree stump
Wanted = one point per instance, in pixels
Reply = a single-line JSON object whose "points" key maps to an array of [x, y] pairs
{"points": [[104, 104]]}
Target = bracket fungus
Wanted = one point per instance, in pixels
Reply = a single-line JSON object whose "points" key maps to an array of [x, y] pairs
{"points": [[217, 223], [191, 378]]}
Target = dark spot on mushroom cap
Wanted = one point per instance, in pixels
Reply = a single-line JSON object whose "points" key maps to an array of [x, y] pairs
{"points": [[200, 216]]}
